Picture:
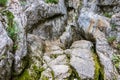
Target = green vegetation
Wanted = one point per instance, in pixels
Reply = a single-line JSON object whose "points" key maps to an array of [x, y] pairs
{"points": [[106, 14], [118, 46], [116, 60], [74, 74], [99, 71], [23, 3], [113, 26], [38, 72], [52, 1], [3, 3], [2, 57], [33, 74], [111, 39], [11, 28], [25, 76], [44, 78], [53, 56]]}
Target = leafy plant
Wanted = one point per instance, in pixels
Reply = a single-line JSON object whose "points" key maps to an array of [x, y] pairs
{"points": [[111, 39], [106, 14], [3, 3], [23, 3], [52, 1], [113, 26], [11, 28], [116, 60], [118, 46]]}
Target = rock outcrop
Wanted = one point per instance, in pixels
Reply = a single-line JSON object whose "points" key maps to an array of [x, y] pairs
{"points": [[60, 40], [6, 56]]}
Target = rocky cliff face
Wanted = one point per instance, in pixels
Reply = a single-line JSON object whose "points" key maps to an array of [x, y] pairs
{"points": [[60, 40]]}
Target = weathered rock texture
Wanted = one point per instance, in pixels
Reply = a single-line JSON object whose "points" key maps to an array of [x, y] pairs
{"points": [[60, 40]]}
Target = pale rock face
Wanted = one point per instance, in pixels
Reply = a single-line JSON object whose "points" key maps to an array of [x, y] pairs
{"points": [[35, 47], [6, 57], [55, 63], [34, 59], [104, 6], [81, 59], [116, 21], [91, 22], [108, 2], [41, 13], [62, 41], [98, 27], [71, 32], [21, 21]]}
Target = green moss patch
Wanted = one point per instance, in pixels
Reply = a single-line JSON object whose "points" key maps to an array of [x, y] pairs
{"points": [[24, 76], [118, 46], [52, 1], [113, 26], [31, 74], [37, 71], [111, 39], [74, 74], [3, 3], [106, 14], [99, 71], [11, 28], [116, 60], [44, 78]]}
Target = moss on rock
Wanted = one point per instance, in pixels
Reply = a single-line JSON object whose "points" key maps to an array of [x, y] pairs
{"points": [[33, 73], [99, 71], [24, 76], [74, 74], [3, 2], [52, 1], [11, 28]]}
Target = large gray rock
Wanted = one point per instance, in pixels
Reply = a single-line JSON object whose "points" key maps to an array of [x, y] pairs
{"points": [[55, 63], [109, 6], [34, 59], [115, 20], [54, 50], [20, 21], [81, 59], [98, 26], [39, 10], [57, 68], [50, 19], [6, 57], [71, 31], [68, 36], [110, 2], [35, 49]]}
